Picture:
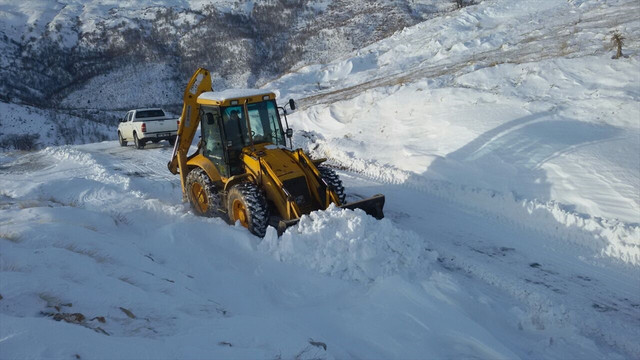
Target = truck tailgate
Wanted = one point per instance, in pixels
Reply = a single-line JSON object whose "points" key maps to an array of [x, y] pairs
{"points": [[161, 125]]}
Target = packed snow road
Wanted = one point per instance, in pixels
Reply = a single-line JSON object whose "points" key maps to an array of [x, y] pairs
{"points": [[100, 230]]}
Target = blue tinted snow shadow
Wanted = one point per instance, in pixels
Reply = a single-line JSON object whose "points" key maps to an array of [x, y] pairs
{"points": [[510, 156]]}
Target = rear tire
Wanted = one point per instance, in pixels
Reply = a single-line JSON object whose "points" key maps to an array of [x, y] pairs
{"points": [[172, 141], [121, 140], [139, 143], [334, 182], [246, 203], [202, 194]]}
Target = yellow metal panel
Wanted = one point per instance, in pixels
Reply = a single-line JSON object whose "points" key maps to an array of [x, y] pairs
{"points": [[209, 102], [282, 164], [241, 100], [199, 83], [180, 159], [206, 165], [251, 163]]}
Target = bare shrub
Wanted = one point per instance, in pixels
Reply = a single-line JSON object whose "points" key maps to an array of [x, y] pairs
{"points": [[617, 40]]}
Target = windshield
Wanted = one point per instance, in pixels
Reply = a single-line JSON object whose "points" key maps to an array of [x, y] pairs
{"points": [[265, 124]]}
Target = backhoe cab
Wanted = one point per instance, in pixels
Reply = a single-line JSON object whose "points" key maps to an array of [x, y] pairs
{"points": [[242, 169]]}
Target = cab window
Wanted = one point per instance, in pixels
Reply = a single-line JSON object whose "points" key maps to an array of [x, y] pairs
{"points": [[264, 121]]}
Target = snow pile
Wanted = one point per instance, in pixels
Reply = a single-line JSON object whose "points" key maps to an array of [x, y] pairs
{"points": [[350, 245]]}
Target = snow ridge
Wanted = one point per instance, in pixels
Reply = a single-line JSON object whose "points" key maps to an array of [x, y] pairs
{"points": [[608, 238]]}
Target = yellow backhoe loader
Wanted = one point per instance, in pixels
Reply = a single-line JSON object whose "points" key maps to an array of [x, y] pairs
{"points": [[242, 169]]}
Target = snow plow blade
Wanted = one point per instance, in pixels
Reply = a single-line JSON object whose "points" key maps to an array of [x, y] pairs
{"points": [[372, 206]]}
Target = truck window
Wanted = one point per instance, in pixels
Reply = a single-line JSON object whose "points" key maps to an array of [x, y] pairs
{"points": [[149, 114]]}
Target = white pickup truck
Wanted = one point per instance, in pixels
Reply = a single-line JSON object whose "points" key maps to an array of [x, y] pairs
{"points": [[144, 125]]}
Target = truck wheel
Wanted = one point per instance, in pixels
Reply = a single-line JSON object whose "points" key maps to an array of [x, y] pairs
{"points": [[121, 139], [246, 203], [330, 176], [172, 140], [202, 194], [139, 143]]}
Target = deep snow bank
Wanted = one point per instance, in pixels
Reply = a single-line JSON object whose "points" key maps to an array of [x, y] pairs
{"points": [[350, 245]]}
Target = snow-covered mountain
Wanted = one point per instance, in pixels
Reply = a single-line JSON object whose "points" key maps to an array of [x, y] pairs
{"points": [[504, 136], [111, 56]]}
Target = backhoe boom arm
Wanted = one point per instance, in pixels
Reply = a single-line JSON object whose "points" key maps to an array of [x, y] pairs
{"points": [[199, 83]]}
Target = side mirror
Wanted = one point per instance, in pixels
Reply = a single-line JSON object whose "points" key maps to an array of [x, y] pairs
{"points": [[292, 104], [289, 132], [124, 119]]}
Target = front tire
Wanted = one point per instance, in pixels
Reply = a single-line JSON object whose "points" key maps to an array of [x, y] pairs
{"points": [[334, 182], [139, 143], [121, 140], [246, 203], [202, 194]]}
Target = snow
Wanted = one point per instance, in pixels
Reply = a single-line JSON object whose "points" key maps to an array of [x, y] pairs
{"points": [[349, 245], [50, 127], [34, 17], [118, 240], [102, 228], [505, 139], [535, 128]]}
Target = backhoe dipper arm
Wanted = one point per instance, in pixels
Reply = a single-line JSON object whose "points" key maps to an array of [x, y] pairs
{"points": [[199, 83]]}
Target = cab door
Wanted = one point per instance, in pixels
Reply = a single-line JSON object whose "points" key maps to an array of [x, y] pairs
{"points": [[128, 126], [212, 140]]}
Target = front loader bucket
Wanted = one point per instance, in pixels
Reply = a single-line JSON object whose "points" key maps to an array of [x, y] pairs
{"points": [[372, 206]]}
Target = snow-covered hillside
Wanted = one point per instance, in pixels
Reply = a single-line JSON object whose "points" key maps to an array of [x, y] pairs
{"points": [[54, 48], [496, 99], [506, 141], [92, 55]]}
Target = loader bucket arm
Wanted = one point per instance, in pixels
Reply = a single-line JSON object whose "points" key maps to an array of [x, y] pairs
{"points": [[371, 206], [190, 118]]}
